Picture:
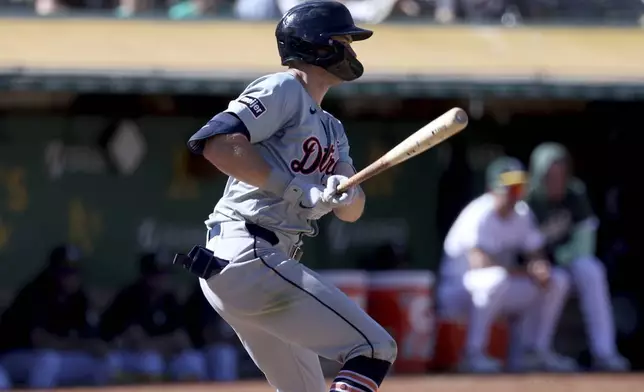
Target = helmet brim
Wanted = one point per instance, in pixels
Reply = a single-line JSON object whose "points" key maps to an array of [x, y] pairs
{"points": [[356, 33]]}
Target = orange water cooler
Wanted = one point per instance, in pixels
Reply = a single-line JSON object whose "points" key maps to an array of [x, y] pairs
{"points": [[401, 301]]}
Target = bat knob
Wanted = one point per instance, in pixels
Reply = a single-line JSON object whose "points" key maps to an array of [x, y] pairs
{"points": [[343, 187], [460, 116]]}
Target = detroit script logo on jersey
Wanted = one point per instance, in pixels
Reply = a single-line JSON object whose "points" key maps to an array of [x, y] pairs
{"points": [[256, 106], [315, 158]]}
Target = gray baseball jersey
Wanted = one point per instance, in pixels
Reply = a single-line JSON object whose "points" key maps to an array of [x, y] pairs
{"points": [[292, 133]]}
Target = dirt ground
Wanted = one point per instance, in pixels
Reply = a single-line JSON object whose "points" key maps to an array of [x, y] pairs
{"points": [[532, 383]]}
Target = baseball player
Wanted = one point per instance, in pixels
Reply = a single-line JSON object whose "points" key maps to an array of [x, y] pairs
{"points": [[567, 221], [481, 278], [285, 157]]}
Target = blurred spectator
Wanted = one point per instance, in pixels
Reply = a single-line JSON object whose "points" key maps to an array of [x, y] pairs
{"points": [[445, 11], [145, 322], [129, 8], [49, 7], [481, 279], [50, 333], [363, 11], [507, 12], [569, 225], [257, 9], [483, 10], [53, 7], [191, 9], [211, 334]]}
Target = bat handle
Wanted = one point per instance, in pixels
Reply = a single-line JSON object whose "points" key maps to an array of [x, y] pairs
{"points": [[344, 186]]}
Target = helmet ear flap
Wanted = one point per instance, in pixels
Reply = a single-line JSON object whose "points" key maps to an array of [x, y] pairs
{"points": [[328, 55]]}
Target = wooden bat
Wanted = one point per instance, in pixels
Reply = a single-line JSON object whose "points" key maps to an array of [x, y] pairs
{"points": [[443, 127]]}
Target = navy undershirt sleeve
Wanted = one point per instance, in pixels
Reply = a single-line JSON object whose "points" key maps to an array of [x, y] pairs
{"points": [[222, 123]]}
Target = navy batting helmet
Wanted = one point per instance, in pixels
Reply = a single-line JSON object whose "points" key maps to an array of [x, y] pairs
{"points": [[305, 34]]}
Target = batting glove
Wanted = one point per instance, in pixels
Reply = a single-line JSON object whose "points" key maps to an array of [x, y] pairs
{"points": [[332, 196], [308, 198], [313, 204]]}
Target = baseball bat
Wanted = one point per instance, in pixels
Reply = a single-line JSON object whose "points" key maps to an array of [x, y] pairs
{"points": [[441, 128]]}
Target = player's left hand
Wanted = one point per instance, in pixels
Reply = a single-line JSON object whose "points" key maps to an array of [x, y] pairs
{"points": [[540, 271], [331, 194]]}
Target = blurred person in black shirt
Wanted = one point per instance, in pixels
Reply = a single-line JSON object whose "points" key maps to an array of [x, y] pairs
{"points": [[145, 321], [49, 332], [213, 336]]}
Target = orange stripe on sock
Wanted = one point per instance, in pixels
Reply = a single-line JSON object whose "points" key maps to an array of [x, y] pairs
{"points": [[359, 378], [340, 386]]}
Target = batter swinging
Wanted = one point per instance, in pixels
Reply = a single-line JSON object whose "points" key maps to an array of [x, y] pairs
{"points": [[285, 158]]}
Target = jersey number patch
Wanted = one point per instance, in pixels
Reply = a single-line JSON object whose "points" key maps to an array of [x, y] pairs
{"points": [[256, 106]]}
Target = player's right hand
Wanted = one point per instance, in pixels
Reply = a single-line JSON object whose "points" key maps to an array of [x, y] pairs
{"points": [[331, 194]]}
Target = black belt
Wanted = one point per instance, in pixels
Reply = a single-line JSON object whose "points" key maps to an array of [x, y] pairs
{"points": [[263, 233], [203, 262], [269, 236]]}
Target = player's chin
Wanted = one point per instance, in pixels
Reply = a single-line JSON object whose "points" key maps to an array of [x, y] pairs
{"points": [[333, 79]]}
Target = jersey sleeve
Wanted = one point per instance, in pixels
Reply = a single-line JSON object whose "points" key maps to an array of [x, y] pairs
{"points": [[467, 232], [265, 107], [343, 149]]}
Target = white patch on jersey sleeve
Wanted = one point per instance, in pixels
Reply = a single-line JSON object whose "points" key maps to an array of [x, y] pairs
{"points": [[255, 105]]}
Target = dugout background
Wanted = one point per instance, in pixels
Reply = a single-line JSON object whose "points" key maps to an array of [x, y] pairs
{"points": [[60, 182]]}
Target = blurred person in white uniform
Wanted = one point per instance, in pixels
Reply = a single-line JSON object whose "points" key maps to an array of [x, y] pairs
{"points": [[481, 277]]}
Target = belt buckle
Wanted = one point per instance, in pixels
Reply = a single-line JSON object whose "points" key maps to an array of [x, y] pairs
{"points": [[296, 253]]}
